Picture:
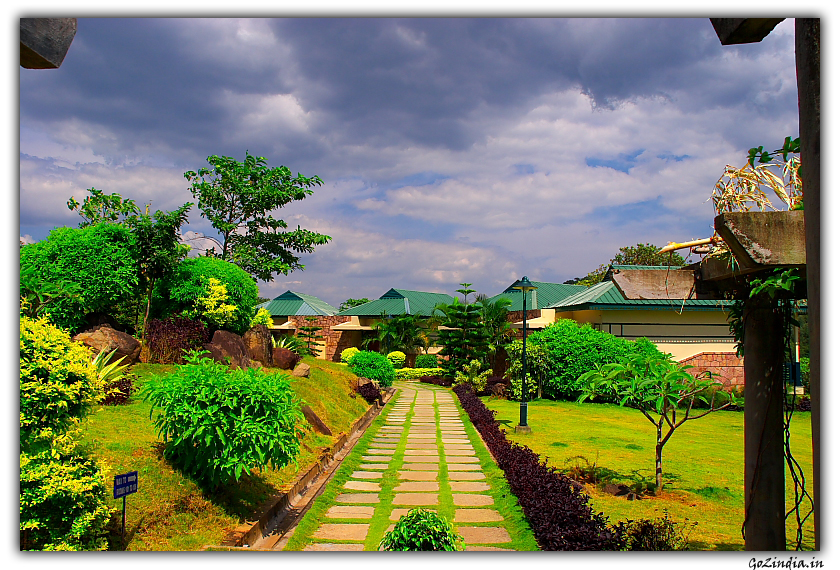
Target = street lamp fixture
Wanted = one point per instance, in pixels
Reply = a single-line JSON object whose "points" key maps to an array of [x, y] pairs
{"points": [[524, 285]]}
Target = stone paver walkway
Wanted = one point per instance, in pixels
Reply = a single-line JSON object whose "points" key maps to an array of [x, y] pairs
{"points": [[430, 462]]}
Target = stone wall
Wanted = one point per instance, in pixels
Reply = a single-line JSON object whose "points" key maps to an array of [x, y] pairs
{"points": [[727, 364], [336, 341]]}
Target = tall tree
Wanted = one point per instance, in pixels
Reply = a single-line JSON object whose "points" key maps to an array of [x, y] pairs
{"points": [[463, 337], [238, 198], [639, 254]]}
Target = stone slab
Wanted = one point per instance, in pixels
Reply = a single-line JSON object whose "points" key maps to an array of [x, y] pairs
{"points": [[418, 475], [329, 547], [354, 512], [418, 487], [457, 447], [468, 486], [469, 548], [415, 499], [421, 446], [376, 457], [347, 531], [374, 465], [463, 466], [366, 475], [455, 441], [361, 486], [477, 515], [357, 498], [466, 476], [385, 446], [459, 452], [483, 534], [461, 459], [421, 466], [468, 500]]}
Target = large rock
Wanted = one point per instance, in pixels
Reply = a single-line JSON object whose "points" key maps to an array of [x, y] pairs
{"points": [[107, 339], [284, 358], [302, 370], [228, 345], [258, 344]]}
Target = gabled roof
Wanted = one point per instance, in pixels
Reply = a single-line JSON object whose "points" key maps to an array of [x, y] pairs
{"points": [[547, 295], [400, 302], [291, 303], [606, 295]]}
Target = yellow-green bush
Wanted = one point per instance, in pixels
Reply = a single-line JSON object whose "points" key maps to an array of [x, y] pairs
{"points": [[415, 373], [397, 359], [348, 353]]}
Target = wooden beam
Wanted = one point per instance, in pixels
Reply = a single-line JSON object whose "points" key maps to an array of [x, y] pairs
{"points": [[743, 30], [44, 41]]}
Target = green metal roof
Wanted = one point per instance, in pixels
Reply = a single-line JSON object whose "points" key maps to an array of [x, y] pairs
{"points": [[547, 295], [400, 302], [606, 295], [291, 303]]}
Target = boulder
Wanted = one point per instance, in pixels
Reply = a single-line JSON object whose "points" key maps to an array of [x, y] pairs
{"points": [[284, 358], [258, 344], [228, 345], [301, 370], [107, 339]]}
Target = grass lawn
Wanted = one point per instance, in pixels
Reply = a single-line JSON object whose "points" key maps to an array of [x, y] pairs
{"points": [[703, 463], [170, 511]]}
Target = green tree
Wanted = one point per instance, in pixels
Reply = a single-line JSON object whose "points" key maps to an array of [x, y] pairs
{"points": [[659, 388], [238, 198], [350, 303], [309, 334], [159, 250], [98, 264], [494, 317], [396, 332], [100, 207], [639, 254], [463, 337]]}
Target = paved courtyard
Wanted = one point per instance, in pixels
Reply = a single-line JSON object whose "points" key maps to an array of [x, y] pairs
{"points": [[420, 456]]}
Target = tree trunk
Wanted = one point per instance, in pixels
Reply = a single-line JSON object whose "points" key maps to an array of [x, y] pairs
{"points": [[148, 306], [659, 446]]}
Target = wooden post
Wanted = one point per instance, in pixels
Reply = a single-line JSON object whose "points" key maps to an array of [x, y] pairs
{"points": [[808, 83], [764, 458]]}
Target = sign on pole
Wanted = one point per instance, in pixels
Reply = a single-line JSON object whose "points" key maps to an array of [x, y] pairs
{"points": [[125, 484]]}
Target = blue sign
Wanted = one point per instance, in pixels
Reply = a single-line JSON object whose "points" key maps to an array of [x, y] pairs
{"points": [[125, 484]]}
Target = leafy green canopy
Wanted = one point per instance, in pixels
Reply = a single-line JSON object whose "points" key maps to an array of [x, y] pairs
{"points": [[372, 365], [573, 349], [181, 291], [350, 303], [238, 198], [464, 337], [99, 262], [219, 424], [422, 530]]}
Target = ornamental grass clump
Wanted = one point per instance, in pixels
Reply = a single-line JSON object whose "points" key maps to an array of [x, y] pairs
{"points": [[219, 424], [422, 530]]}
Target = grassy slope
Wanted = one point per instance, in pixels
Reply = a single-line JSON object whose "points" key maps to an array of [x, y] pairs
{"points": [[703, 462], [171, 512]]}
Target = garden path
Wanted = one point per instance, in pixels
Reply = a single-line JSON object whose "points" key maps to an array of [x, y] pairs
{"points": [[420, 456]]}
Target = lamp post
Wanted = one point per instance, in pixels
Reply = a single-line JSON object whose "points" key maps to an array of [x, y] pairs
{"points": [[524, 285]]}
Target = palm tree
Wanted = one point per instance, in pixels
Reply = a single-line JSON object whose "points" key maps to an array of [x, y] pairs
{"points": [[397, 332], [494, 316]]}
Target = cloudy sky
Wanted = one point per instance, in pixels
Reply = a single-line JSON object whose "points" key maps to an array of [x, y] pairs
{"points": [[452, 150]]}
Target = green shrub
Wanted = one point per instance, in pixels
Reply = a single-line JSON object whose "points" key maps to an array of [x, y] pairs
{"points": [[658, 534], [348, 353], [397, 359], [63, 502], [531, 385], [262, 317], [180, 292], [805, 367], [58, 381], [367, 364], [539, 368], [219, 424], [98, 261], [573, 350], [415, 373], [426, 361], [473, 376], [422, 530]]}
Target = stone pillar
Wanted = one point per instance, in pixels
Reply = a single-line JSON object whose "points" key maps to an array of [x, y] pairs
{"points": [[808, 83], [764, 460]]}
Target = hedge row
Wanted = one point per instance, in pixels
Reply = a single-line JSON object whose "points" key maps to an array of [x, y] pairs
{"points": [[554, 505], [417, 373]]}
